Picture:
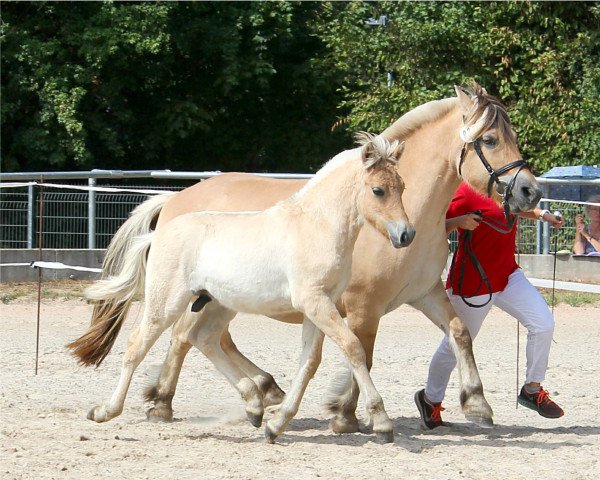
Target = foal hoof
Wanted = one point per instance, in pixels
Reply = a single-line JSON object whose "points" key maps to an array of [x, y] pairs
{"points": [[97, 414], [255, 419], [269, 435], [484, 422], [385, 437]]}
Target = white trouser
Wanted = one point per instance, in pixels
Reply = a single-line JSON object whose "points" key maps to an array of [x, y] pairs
{"points": [[519, 299]]}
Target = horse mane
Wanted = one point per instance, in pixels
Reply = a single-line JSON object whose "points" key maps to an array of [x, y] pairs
{"points": [[487, 109], [376, 148]]}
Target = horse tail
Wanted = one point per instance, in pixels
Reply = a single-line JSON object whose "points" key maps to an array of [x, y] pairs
{"points": [[122, 279]]}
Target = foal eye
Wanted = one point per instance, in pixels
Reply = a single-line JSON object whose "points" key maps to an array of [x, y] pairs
{"points": [[489, 140], [377, 191]]}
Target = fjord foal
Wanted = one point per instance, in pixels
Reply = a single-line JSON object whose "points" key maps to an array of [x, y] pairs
{"points": [[293, 257]]}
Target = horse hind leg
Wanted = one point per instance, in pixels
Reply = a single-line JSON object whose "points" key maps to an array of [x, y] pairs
{"points": [[206, 336], [271, 392], [161, 393], [154, 322], [310, 358], [437, 307]]}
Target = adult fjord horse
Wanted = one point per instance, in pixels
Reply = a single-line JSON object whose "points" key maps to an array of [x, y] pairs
{"points": [[439, 152], [294, 257]]}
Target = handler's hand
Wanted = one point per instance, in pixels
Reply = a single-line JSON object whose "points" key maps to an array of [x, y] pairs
{"points": [[553, 220], [470, 221]]}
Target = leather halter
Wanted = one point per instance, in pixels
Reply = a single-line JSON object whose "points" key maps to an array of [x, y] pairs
{"points": [[503, 189]]}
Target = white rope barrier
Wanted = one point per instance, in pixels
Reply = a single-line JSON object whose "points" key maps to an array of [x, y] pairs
{"points": [[52, 266], [554, 200], [86, 188]]}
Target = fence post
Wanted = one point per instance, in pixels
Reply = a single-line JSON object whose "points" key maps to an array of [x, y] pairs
{"points": [[30, 215], [92, 214]]}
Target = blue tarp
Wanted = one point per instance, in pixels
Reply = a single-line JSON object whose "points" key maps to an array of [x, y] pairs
{"points": [[573, 192]]}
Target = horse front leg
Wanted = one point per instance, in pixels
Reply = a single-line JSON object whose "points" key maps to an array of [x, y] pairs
{"points": [[437, 307], [344, 393], [310, 358], [324, 314]]}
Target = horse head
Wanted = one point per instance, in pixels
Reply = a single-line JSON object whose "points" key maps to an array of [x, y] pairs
{"points": [[490, 160], [380, 200]]}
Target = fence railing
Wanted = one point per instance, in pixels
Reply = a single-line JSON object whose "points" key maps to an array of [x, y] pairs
{"points": [[78, 219]]}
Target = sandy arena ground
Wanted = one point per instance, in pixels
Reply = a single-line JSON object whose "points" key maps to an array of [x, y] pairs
{"points": [[44, 432]]}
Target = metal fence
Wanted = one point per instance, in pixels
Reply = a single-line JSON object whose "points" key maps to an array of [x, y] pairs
{"points": [[88, 219]]}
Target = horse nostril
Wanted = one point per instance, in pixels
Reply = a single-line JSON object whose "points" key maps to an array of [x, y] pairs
{"points": [[532, 194]]}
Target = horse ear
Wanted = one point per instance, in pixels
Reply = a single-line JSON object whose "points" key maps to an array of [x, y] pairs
{"points": [[367, 152], [397, 153], [466, 103]]}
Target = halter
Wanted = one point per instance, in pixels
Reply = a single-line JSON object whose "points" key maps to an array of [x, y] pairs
{"points": [[503, 189]]}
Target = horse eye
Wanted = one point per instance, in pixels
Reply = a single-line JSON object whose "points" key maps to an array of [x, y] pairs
{"points": [[377, 191], [489, 140]]}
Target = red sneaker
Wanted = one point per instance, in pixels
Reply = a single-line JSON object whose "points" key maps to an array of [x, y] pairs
{"points": [[540, 402], [431, 413]]}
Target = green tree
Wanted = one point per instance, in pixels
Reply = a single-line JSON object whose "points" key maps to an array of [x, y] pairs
{"points": [[540, 58], [190, 85]]}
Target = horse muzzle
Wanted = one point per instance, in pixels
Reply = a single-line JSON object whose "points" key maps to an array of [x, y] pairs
{"points": [[524, 195], [401, 233]]}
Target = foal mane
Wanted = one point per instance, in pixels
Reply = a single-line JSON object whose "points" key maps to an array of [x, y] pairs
{"points": [[486, 111], [376, 148]]}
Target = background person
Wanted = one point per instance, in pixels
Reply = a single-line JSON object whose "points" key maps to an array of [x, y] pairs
{"points": [[587, 237]]}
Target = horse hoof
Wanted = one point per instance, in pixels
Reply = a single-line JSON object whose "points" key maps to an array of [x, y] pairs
{"points": [[385, 437], [484, 422], [254, 419], [344, 425], [97, 414], [159, 416], [269, 435]]}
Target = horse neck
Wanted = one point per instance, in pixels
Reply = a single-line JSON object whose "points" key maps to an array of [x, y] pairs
{"points": [[429, 167], [331, 198]]}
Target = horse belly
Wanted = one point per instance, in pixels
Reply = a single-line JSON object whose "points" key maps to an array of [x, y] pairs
{"points": [[242, 283]]}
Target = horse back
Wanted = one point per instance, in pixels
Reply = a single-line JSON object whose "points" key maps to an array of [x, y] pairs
{"points": [[229, 192]]}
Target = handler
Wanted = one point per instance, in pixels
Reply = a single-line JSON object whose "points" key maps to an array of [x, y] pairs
{"points": [[507, 288]]}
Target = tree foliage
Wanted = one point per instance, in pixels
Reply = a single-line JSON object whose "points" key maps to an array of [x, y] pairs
{"points": [[540, 58], [198, 85], [258, 86]]}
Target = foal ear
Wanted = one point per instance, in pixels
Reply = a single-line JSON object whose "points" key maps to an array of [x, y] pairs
{"points": [[466, 103]]}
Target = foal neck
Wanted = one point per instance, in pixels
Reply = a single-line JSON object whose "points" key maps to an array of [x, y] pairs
{"points": [[333, 192]]}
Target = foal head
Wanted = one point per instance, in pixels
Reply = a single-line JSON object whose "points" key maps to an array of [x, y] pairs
{"points": [[380, 198], [490, 160]]}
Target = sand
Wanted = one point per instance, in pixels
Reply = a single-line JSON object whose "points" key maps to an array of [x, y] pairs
{"points": [[44, 432]]}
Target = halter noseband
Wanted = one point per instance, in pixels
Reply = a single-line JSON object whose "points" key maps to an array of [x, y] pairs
{"points": [[503, 189]]}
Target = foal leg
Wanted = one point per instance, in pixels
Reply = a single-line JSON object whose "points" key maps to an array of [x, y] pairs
{"points": [[272, 394], [162, 392], [206, 336], [155, 321], [310, 358], [325, 316], [437, 307], [344, 391]]}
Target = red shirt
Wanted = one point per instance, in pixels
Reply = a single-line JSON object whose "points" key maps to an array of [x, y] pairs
{"points": [[494, 250]]}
